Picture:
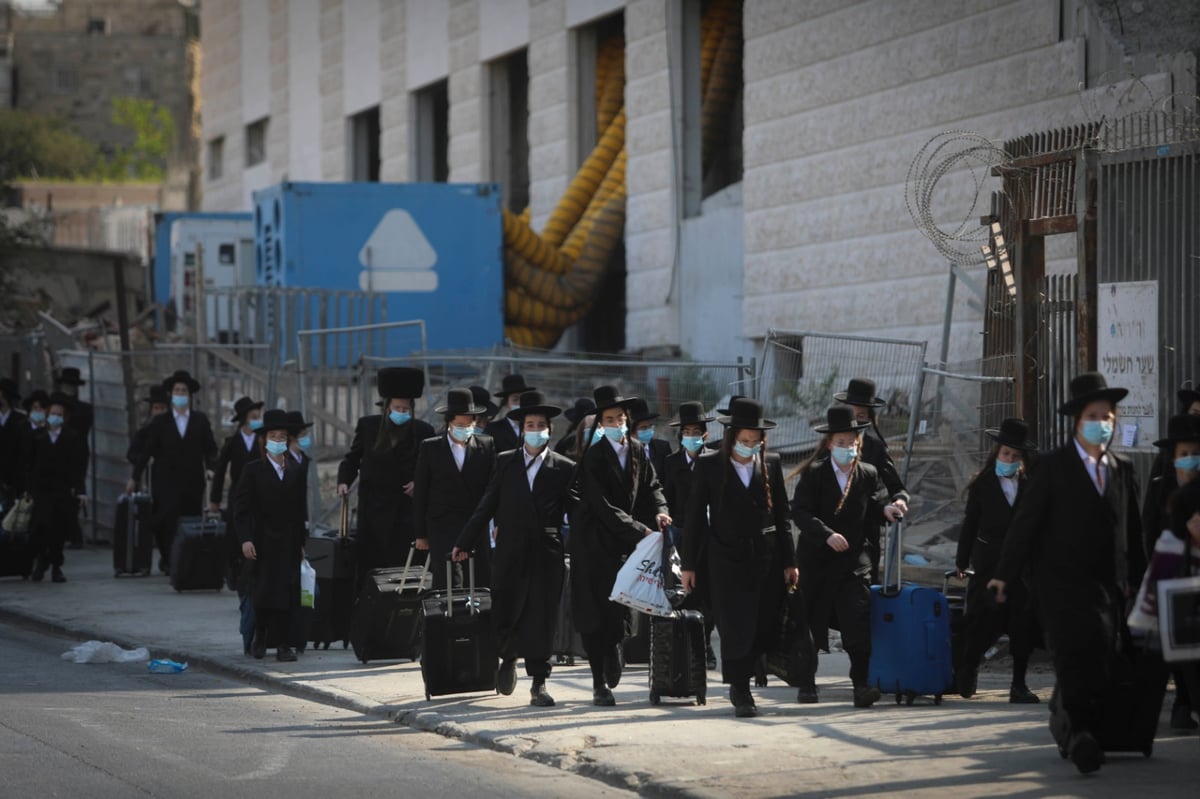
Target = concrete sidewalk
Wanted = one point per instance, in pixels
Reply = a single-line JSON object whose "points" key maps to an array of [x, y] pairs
{"points": [[977, 747]]}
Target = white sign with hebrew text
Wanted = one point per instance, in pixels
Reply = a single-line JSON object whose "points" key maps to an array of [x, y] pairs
{"points": [[1127, 353]]}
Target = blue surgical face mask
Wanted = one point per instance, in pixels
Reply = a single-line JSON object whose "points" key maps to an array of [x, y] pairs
{"points": [[693, 443], [1007, 469], [254, 424], [747, 452], [179, 401], [277, 447], [304, 442], [1188, 463], [37, 416], [54, 420], [461, 434], [597, 434], [616, 433], [1097, 433], [399, 417], [646, 436], [536, 439], [844, 455]]}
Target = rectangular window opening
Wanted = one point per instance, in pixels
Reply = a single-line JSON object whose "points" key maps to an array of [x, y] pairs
{"points": [[216, 158], [508, 128], [431, 108], [256, 142], [363, 143]]}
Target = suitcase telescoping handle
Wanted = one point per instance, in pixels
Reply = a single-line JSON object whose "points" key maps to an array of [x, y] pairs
{"points": [[412, 551], [450, 583], [344, 520], [895, 554]]}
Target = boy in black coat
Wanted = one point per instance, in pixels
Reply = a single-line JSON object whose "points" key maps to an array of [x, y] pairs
{"points": [[57, 465]]}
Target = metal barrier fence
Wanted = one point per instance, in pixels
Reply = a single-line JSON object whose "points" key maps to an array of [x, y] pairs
{"points": [[802, 370]]}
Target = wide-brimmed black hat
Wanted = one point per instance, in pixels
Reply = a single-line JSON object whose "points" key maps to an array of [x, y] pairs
{"points": [[484, 398], [61, 398], [747, 414], [404, 382], [1183, 427], [860, 391], [274, 419], [296, 422], [38, 396], [691, 413], [732, 399], [840, 419], [181, 376], [607, 397], [10, 390], [1187, 395], [460, 402], [1013, 433], [534, 402], [69, 376], [639, 411], [582, 407], [242, 407], [158, 394], [1090, 387], [512, 384]]}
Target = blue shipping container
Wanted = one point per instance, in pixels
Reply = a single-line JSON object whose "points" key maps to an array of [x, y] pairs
{"points": [[161, 273], [434, 250]]}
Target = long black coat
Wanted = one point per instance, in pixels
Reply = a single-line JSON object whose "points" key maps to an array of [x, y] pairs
{"points": [[13, 451], [502, 433], [617, 507], [234, 455], [527, 564], [676, 477], [56, 470], [744, 536], [385, 521], [875, 452], [272, 513], [1154, 509], [177, 478], [837, 583], [1084, 550], [659, 450], [443, 496]]}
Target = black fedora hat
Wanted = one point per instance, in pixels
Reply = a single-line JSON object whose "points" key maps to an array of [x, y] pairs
{"points": [[158, 394], [1188, 394], [639, 411], [181, 376], [732, 399], [607, 397], [747, 414], [274, 419], [69, 376], [10, 390], [1090, 387], [60, 398], [691, 413], [296, 422], [484, 399], [860, 391], [582, 407], [242, 407], [460, 402], [404, 382], [840, 419], [534, 402], [38, 396], [1182, 427], [512, 384], [1012, 432]]}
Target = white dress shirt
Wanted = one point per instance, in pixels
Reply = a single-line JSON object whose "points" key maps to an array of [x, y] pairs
{"points": [[744, 471], [277, 464], [622, 451], [181, 422], [247, 439], [459, 451], [842, 477], [1009, 486], [1089, 463], [534, 464]]}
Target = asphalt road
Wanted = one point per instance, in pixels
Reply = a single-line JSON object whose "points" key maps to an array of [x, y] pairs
{"points": [[116, 730]]}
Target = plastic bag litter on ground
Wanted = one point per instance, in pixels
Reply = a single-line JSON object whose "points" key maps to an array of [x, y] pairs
{"points": [[105, 652], [166, 667]]}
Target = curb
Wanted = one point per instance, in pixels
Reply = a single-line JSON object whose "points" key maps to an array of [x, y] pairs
{"points": [[424, 720]]}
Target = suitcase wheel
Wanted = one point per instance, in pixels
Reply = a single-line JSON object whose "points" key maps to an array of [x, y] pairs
{"points": [[1062, 752], [345, 645], [427, 697], [908, 699], [654, 698], [701, 699], [898, 698], [1149, 750], [937, 699]]}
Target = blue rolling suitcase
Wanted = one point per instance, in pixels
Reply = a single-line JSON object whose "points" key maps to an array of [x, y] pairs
{"points": [[910, 635]]}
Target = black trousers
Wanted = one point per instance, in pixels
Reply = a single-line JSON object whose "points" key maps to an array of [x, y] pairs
{"points": [[271, 626]]}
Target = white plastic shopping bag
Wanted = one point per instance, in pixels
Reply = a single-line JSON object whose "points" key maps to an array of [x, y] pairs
{"points": [[639, 583], [308, 584]]}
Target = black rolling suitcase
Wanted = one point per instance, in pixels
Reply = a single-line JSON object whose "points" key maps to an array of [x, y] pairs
{"points": [[133, 542], [198, 554], [956, 598], [635, 649], [792, 657], [677, 666], [568, 643], [332, 555], [1130, 715], [385, 623], [459, 654]]}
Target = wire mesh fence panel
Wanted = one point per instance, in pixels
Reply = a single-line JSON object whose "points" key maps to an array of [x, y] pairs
{"points": [[801, 371]]}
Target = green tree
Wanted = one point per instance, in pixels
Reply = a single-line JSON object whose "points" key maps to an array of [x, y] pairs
{"points": [[33, 146], [153, 127]]}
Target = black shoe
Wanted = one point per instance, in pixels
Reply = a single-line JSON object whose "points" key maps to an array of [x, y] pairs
{"points": [[1181, 719], [602, 697], [285, 654], [258, 650], [710, 657], [743, 703], [506, 677], [538, 697], [246, 649], [56, 575], [1085, 752], [807, 695], [1021, 695], [39, 569], [163, 566], [968, 683], [866, 695], [612, 667]]}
